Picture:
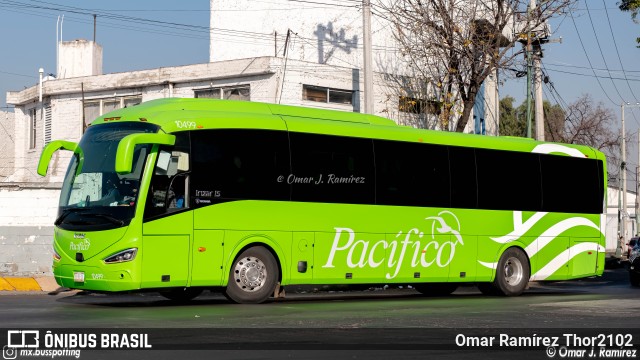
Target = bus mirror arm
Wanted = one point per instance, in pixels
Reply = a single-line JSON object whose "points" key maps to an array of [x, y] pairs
{"points": [[126, 147], [48, 151]]}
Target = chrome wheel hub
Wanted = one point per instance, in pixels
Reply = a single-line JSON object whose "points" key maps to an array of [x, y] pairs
{"points": [[513, 271], [250, 274]]}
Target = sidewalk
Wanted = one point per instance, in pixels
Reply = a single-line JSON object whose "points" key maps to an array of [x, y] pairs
{"points": [[40, 283]]}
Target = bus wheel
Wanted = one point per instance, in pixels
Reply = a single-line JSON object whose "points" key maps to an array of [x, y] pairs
{"points": [[436, 289], [182, 294], [512, 274], [253, 276]]}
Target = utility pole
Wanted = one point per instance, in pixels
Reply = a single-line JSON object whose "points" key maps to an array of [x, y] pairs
{"points": [[638, 189], [94, 27], [368, 71], [623, 166], [537, 86], [535, 37], [536, 52], [529, 54]]}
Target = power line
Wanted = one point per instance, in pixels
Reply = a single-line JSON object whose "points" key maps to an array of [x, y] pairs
{"points": [[615, 43], [15, 74], [589, 75], [585, 67], [588, 59], [601, 53]]}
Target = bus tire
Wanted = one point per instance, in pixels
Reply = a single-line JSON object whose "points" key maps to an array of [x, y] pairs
{"points": [[512, 273], [252, 277], [182, 294], [436, 289]]}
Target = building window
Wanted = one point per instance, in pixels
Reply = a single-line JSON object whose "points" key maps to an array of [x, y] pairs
{"points": [[98, 107], [47, 123], [241, 92], [327, 95], [33, 119], [412, 105]]}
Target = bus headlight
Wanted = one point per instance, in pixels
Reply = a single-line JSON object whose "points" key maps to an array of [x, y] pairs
{"points": [[56, 256], [122, 256]]}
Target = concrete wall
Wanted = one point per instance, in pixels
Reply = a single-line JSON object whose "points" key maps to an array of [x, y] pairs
{"points": [[26, 230], [319, 34], [7, 144], [79, 58]]}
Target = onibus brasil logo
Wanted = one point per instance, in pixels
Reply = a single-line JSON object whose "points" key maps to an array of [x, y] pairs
{"points": [[425, 251]]}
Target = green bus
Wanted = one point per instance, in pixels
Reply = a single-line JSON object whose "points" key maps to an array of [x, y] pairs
{"points": [[180, 195]]}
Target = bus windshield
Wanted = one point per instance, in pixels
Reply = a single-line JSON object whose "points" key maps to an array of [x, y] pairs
{"points": [[94, 196]]}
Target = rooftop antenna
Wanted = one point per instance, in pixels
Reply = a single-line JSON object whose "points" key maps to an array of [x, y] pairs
{"points": [[58, 41]]}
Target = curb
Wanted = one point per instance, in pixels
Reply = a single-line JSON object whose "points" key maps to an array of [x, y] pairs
{"points": [[41, 283]]}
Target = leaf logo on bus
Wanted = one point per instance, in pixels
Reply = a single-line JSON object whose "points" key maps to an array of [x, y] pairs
{"points": [[362, 253], [80, 245]]}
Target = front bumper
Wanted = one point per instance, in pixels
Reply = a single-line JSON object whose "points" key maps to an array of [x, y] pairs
{"points": [[95, 279]]}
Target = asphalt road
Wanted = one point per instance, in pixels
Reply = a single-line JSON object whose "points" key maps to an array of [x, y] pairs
{"points": [[391, 323]]}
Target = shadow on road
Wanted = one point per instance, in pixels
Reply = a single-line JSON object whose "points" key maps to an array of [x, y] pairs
{"points": [[611, 281]]}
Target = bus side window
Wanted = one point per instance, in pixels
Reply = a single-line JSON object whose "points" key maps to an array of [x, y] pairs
{"points": [[237, 164], [168, 191]]}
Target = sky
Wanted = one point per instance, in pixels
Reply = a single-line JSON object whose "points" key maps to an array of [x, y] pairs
{"points": [[146, 34]]}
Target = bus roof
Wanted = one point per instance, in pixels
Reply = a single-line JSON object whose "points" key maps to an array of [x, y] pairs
{"points": [[179, 114]]}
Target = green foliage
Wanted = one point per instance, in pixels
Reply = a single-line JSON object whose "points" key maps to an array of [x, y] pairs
{"points": [[633, 6], [630, 5], [513, 121]]}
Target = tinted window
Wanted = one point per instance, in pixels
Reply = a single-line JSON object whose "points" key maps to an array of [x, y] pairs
{"points": [[239, 164], [464, 187], [331, 169], [571, 184], [508, 180], [168, 191], [412, 174]]}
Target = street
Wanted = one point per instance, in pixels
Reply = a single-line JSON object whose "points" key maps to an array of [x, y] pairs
{"points": [[353, 321], [599, 302]]}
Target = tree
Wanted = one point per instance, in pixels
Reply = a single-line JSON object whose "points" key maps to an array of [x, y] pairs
{"points": [[584, 123], [513, 121], [633, 6], [554, 122], [451, 46]]}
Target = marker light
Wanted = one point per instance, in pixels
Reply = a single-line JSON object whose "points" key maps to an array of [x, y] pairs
{"points": [[122, 256], [56, 256]]}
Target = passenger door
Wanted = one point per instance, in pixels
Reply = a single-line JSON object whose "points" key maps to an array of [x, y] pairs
{"points": [[168, 220]]}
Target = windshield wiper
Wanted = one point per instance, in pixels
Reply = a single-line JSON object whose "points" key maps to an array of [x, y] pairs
{"points": [[66, 212], [107, 217]]}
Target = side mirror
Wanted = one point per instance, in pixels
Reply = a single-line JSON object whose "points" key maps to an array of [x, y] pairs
{"points": [[124, 154], [48, 151]]}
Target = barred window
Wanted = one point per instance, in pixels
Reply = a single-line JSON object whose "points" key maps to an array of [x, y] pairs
{"points": [[241, 92], [327, 95]]}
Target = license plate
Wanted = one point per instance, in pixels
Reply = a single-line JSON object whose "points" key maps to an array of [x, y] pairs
{"points": [[78, 277]]}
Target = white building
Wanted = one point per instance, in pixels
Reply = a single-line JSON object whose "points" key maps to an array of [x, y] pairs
{"points": [[331, 35], [69, 104], [321, 68], [7, 147], [628, 218]]}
